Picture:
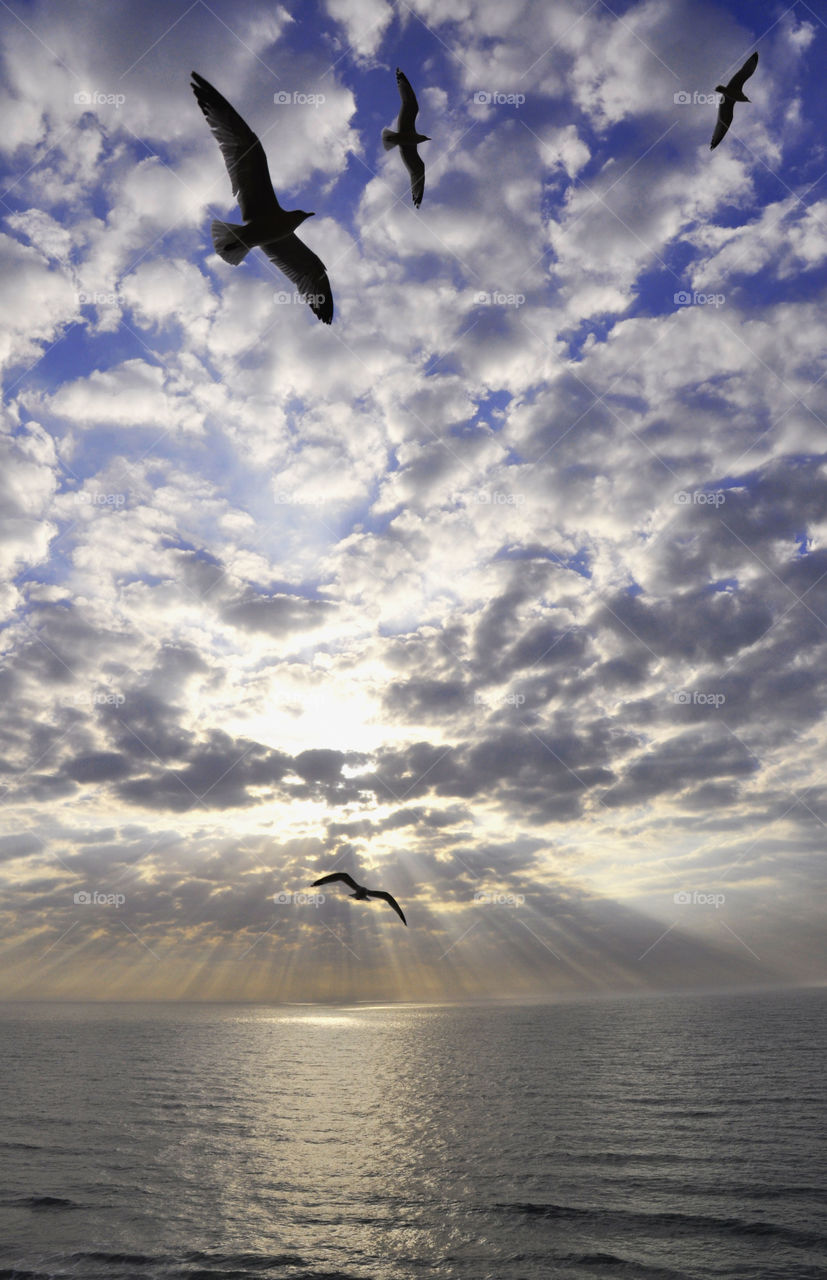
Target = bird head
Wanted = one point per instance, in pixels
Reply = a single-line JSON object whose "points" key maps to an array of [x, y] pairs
{"points": [[295, 218]]}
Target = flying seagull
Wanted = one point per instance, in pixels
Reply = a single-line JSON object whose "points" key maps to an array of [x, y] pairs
{"points": [[406, 137], [733, 92], [266, 224], [361, 893]]}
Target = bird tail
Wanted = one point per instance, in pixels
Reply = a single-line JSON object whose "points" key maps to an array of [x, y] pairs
{"points": [[389, 139], [228, 242]]}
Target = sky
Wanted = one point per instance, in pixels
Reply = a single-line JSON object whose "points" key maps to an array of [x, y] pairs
{"points": [[506, 592]]}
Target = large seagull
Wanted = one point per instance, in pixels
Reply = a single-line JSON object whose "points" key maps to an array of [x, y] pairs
{"points": [[360, 892], [405, 137], [733, 92], [266, 224]]}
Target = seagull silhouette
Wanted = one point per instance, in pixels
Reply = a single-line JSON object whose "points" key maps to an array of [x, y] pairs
{"points": [[733, 92], [361, 893], [406, 137], [266, 224]]}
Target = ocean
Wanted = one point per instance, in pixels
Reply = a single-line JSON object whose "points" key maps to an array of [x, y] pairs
{"points": [[659, 1137]]}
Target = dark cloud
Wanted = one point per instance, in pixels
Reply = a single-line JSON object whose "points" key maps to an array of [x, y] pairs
{"points": [[697, 755], [100, 766], [216, 774], [276, 615], [697, 624], [147, 727], [423, 700], [18, 846]]}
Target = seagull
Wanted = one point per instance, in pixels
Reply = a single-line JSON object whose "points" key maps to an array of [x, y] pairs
{"points": [[406, 138], [267, 225], [361, 893], [733, 92]]}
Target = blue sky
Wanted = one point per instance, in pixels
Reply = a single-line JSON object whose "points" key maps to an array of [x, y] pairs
{"points": [[506, 592]]}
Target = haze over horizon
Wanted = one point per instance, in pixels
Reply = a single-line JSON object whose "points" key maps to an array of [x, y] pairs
{"points": [[505, 593]]}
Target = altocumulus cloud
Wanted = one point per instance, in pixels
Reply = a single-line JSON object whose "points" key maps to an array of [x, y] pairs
{"points": [[518, 608]]}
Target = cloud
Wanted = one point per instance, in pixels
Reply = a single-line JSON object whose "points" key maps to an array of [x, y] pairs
{"points": [[50, 296], [28, 480], [134, 393], [276, 615], [365, 24], [510, 582]]}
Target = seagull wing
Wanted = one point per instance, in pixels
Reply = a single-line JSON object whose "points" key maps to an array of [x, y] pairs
{"points": [[725, 111], [336, 875], [243, 153], [380, 893], [308, 273], [410, 107], [739, 79], [416, 168]]}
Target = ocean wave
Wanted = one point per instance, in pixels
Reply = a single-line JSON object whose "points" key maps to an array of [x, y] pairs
{"points": [[101, 1265], [690, 1223], [41, 1202]]}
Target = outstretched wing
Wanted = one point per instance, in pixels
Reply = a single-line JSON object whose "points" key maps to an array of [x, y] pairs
{"points": [[739, 79], [243, 153], [416, 168], [725, 111], [308, 273], [380, 893], [410, 107], [336, 875]]}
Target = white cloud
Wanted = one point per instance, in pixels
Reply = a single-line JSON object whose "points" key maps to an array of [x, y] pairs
{"points": [[365, 23], [51, 302], [28, 479], [132, 394]]}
